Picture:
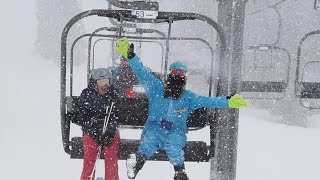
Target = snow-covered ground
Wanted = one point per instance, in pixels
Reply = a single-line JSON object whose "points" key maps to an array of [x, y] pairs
{"points": [[30, 139]]}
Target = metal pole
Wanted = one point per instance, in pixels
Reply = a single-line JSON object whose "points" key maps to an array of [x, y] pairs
{"points": [[167, 49], [231, 19]]}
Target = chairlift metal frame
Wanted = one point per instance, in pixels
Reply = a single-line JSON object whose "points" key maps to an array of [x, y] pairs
{"points": [[306, 90], [268, 86], [126, 15]]}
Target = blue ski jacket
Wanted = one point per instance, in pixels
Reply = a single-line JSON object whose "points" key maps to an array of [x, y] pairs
{"points": [[174, 111]]}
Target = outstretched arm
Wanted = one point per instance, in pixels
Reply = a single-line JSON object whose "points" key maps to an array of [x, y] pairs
{"points": [[234, 101], [198, 101]]}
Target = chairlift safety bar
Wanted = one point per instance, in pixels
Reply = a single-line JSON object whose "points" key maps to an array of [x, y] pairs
{"points": [[144, 38]]}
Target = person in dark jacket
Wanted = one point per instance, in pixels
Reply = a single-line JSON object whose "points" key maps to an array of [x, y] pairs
{"points": [[98, 118]]}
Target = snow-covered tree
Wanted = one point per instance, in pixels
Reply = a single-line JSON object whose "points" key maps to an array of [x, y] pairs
{"points": [[52, 17]]}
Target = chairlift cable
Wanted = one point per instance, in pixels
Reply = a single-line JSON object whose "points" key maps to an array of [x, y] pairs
{"points": [[270, 6]]}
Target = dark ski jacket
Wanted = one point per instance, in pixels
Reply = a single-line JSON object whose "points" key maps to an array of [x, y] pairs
{"points": [[92, 111]]}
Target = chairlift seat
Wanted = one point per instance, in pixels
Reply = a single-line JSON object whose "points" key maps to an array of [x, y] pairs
{"points": [[263, 86], [195, 151], [310, 90]]}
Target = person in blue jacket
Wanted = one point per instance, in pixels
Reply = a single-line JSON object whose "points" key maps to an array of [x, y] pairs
{"points": [[170, 104]]}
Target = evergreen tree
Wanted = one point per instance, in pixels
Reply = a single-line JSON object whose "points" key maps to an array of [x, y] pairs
{"points": [[52, 17]]}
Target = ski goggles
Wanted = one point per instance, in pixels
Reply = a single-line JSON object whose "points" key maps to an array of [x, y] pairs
{"points": [[103, 82], [178, 72]]}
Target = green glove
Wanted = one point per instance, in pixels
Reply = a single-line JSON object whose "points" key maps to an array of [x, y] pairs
{"points": [[122, 47], [237, 101]]}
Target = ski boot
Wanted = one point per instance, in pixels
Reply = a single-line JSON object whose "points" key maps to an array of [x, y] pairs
{"points": [[134, 164], [180, 175]]}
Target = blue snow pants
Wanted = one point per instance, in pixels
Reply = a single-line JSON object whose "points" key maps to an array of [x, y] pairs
{"points": [[156, 138]]}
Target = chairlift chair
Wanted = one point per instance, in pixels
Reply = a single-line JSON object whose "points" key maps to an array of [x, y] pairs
{"points": [[195, 150], [308, 92], [269, 89]]}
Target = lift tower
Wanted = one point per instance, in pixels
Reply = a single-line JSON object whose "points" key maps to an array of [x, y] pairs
{"points": [[231, 14]]}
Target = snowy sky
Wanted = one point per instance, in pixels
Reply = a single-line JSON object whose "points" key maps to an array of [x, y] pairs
{"points": [[30, 138]]}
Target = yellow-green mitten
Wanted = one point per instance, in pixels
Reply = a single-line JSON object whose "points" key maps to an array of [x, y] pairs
{"points": [[122, 47], [237, 101]]}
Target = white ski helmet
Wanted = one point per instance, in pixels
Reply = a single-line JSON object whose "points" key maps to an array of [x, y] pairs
{"points": [[101, 73]]}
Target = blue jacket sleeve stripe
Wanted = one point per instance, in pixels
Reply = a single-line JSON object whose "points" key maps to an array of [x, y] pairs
{"points": [[198, 101]]}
